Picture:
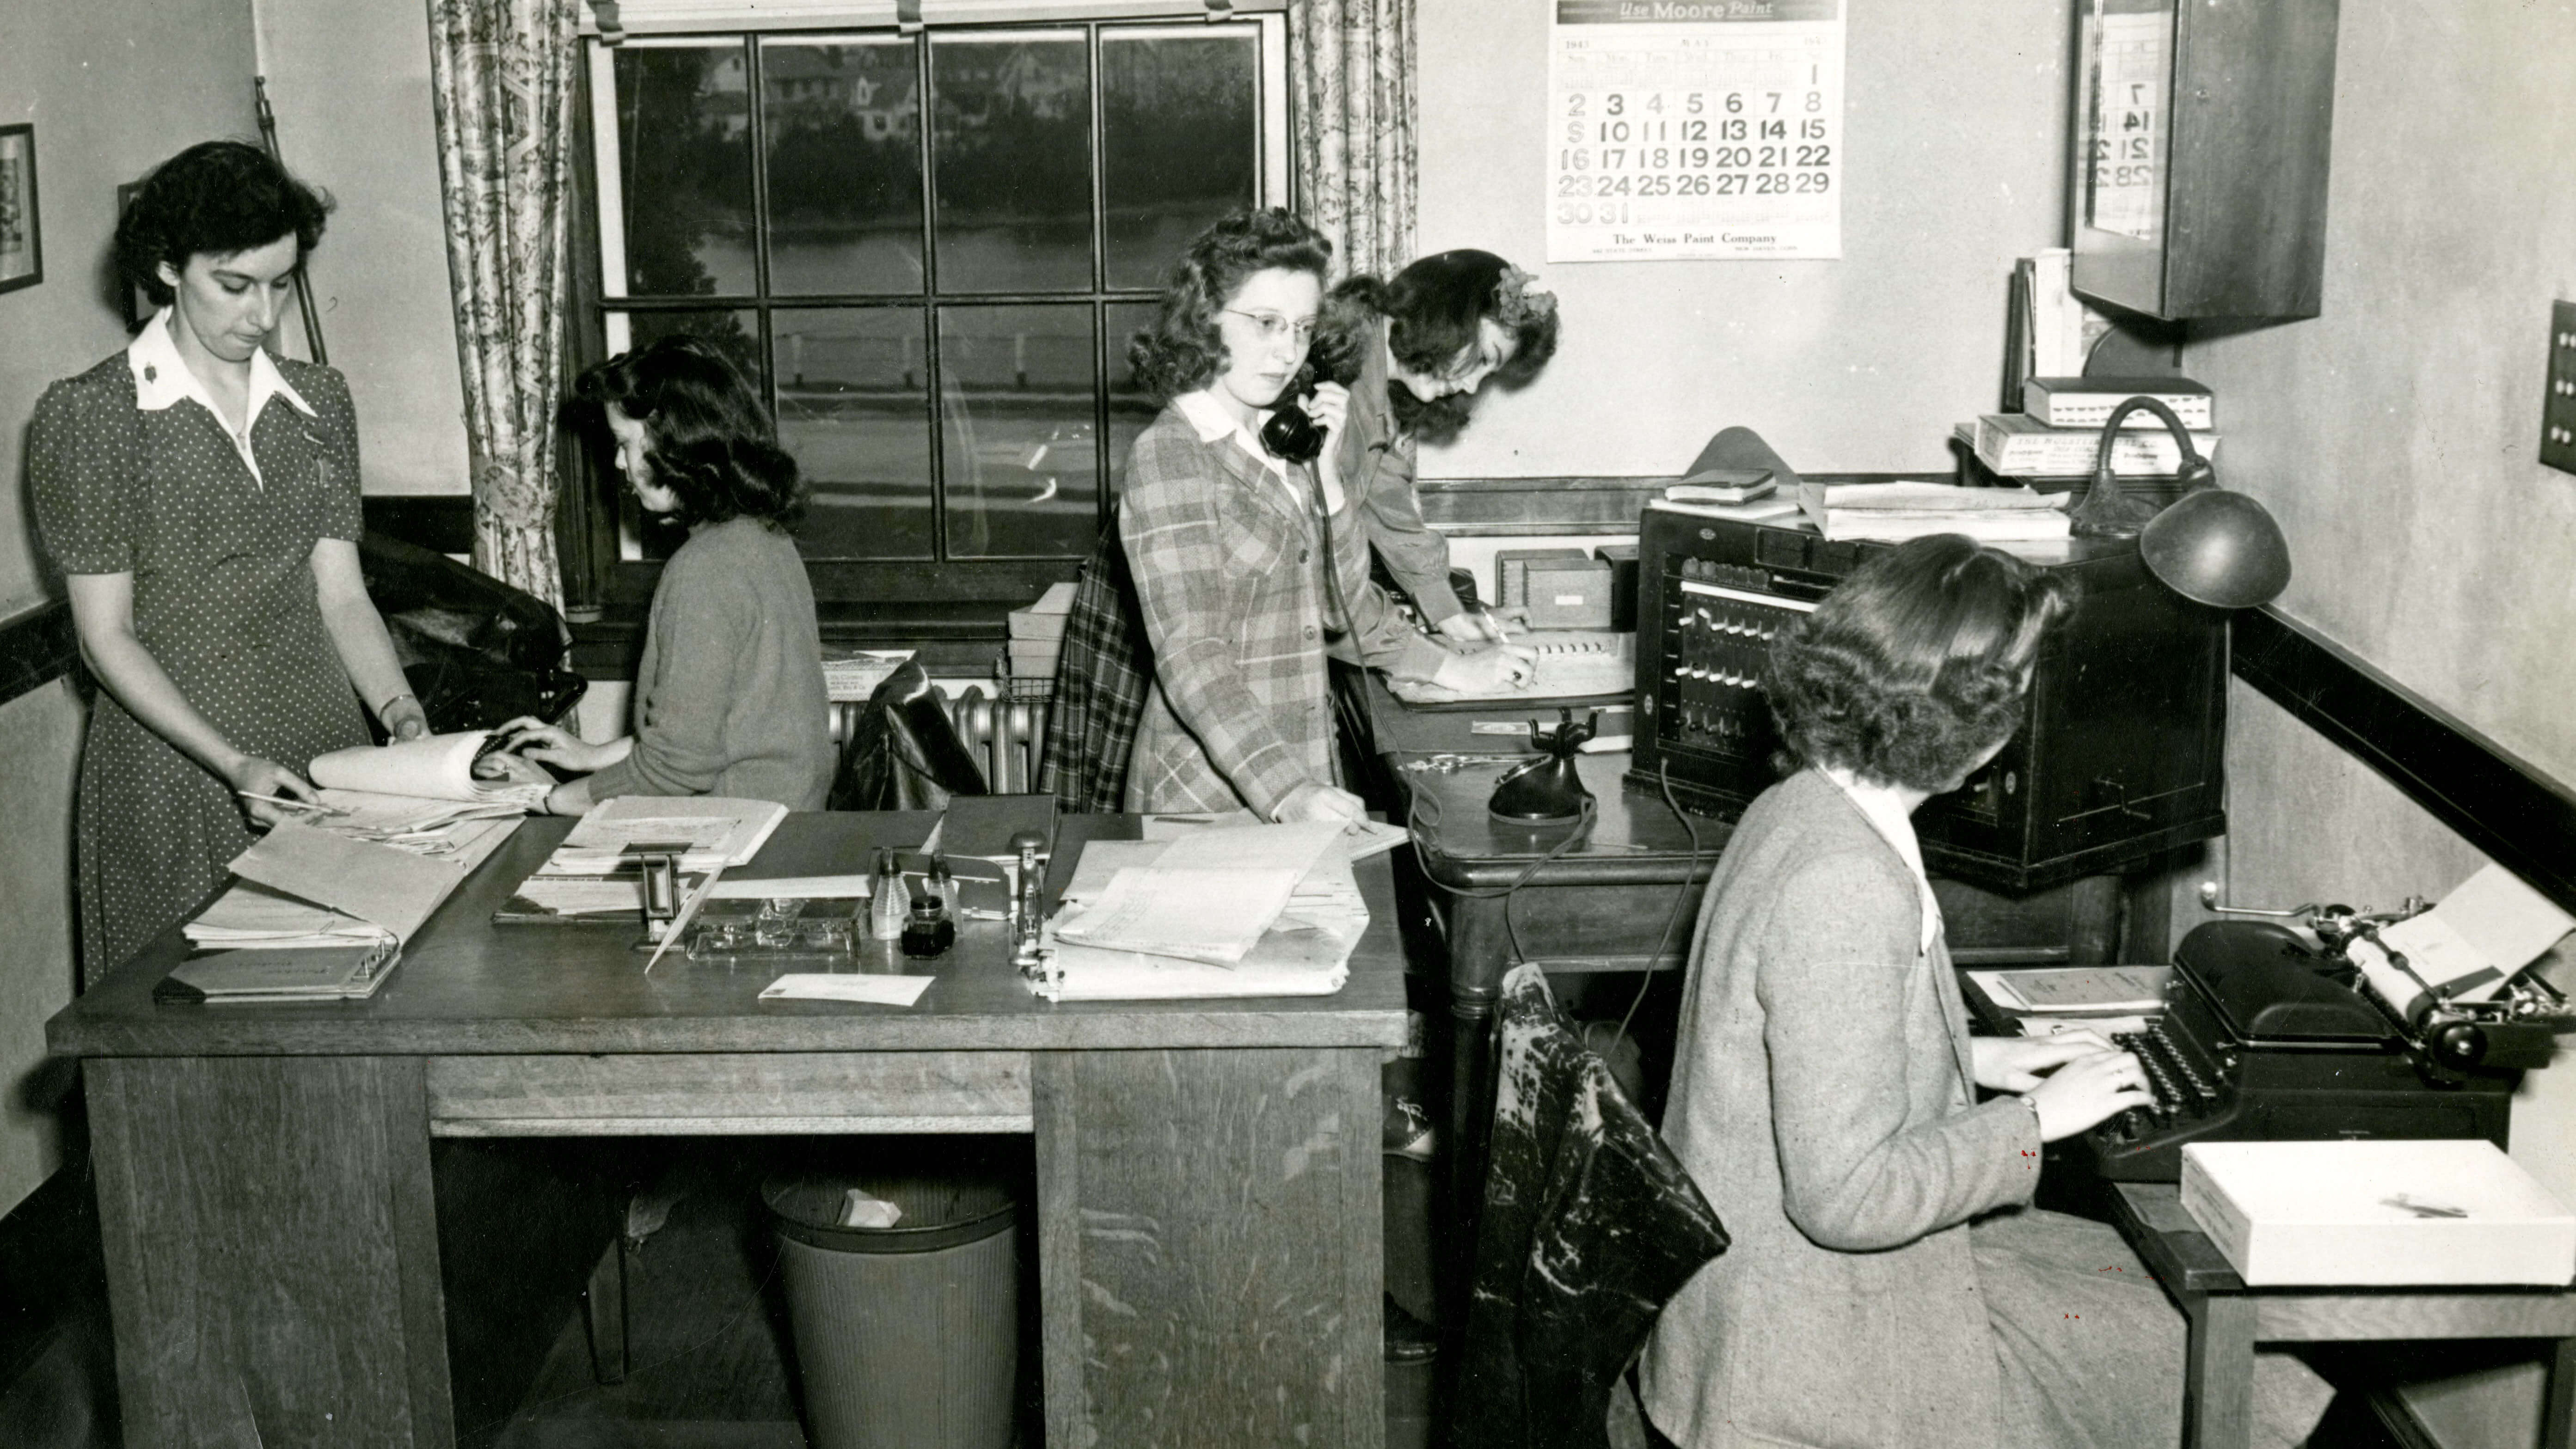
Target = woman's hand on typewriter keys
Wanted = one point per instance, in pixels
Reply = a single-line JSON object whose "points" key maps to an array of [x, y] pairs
{"points": [[2017, 1063], [2087, 1091]]}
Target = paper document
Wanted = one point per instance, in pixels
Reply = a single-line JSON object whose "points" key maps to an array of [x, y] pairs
{"points": [[836, 986], [2077, 990], [379, 884], [795, 887], [436, 767], [719, 832], [2469, 947], [254, 915], [1305, 951], [1198, 915], [584, 895]]}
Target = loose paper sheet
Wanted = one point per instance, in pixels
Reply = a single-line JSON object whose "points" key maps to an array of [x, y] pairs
{"points": [[835, 986]]}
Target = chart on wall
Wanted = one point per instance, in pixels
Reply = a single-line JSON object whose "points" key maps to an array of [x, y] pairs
{"points": [[1695, 130]]}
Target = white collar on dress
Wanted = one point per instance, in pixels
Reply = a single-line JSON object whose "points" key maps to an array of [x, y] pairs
{"points": [[1887, 815], [162, 378]]}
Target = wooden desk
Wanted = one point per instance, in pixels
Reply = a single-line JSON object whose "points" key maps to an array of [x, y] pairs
{"points": [[2228, 1319], [1208, 1216]]}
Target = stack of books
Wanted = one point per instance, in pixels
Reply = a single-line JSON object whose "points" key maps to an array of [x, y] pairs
{"points": [[1037, 633], [2051, 445], [1893, 512]]}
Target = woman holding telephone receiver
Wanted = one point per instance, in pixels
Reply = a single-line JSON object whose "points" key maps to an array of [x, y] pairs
{"points": [[1245, 561]]}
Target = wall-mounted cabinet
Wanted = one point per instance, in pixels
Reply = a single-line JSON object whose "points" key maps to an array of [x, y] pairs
{"points": [[2202, 131]]}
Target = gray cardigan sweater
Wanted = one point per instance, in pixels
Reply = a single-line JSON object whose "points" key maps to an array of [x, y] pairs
{"points": [[1821, 1099], [729, 696]]}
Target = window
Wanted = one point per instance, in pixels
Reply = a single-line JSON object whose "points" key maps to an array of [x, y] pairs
{"points": [[929, 252]]}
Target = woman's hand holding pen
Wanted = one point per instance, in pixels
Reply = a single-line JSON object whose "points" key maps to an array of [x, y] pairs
{"points": [[1478, 625], [1504, 666], [260, 784], [2086, 1081]]}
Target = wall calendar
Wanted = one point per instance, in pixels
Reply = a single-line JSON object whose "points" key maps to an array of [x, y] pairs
{"points": [[1695, 129]]}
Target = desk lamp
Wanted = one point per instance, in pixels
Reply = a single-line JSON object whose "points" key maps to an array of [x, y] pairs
{"points": [[2211, 546]]}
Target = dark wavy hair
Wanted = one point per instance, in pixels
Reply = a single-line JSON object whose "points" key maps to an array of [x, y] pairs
{"points": [[1433, 310], [1183, 349], [1915, 664], [217, 196], [710, 440]]}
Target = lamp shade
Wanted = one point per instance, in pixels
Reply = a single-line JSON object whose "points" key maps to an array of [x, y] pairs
{"points": [[2217, 548]]}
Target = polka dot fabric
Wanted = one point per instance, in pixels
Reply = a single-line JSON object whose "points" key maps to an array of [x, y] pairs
{"points": [[224, 600]]}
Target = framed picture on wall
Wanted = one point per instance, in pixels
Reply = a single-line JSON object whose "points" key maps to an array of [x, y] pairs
{"points": [[22, 252]]}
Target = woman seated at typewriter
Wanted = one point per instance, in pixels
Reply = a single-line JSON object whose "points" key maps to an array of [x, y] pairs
{"points": [[1889, 1282], [1245, 561], [1414, 349], [729, 692]]}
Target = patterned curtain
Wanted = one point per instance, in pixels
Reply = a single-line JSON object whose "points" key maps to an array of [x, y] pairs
{"points": [[1351, 67], [501, 78]]}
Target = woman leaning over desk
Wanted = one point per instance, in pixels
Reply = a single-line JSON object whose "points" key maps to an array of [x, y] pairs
{"points": [[1242, 562], [1889, 1282], [1414, 351], [201, 499]]}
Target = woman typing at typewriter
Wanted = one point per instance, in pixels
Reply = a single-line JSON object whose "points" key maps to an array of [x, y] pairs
{"points": [[1889, 1282]]}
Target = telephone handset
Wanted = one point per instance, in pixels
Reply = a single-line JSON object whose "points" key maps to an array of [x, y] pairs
{"points": [[1289, 433]]}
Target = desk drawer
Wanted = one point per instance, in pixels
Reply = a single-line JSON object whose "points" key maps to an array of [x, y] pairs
{"points": [[682, 1094]]}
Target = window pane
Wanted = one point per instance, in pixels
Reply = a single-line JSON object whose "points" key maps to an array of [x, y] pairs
{"points": [[854, 407], [1131, 408], [1180, 145], [684, 151], [1022, 469], [844, 167], [1011, 143], [737, 336]]}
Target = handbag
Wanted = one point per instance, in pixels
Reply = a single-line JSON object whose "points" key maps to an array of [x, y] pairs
{"points": [[902, 753]]}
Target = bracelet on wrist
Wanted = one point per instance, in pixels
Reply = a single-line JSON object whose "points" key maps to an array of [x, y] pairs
{"points": [[397, 699]]}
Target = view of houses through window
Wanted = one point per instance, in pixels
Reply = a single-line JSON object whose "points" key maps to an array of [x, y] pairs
{"points": [[938, 309]]}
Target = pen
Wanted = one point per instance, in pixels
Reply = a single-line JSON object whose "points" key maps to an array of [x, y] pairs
{"points": [[1501, 633], [291, 804]]}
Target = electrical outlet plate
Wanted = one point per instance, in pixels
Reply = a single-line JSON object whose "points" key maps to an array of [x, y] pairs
{"points": [[2558, 409]]}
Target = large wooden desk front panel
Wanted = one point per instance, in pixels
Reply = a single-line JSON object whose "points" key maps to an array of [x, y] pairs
{"points": [[1208, 1179]]}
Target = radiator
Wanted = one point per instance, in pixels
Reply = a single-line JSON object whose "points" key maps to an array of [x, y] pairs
{"points": [[1006, 736]]}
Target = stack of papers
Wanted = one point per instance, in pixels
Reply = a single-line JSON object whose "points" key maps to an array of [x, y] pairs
{"points": [[1897, 511], [718, 832], [250, 915], [1124, 899], [434, 767]]}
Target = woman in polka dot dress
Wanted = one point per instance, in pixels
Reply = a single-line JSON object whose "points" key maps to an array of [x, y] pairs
{"points": [[201, 499]]}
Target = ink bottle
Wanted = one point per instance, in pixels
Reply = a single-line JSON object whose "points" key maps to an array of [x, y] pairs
{"points": [[929, 932]]}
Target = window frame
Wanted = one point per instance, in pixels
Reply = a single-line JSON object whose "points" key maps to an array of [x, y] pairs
{"points": [[606, 581]]}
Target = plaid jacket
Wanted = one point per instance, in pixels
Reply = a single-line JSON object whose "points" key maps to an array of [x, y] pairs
{"points": [[1102, 679], [1223, 558]]}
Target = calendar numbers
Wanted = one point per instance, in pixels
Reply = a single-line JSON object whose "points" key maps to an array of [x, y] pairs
{"points": [[1694, 137]]}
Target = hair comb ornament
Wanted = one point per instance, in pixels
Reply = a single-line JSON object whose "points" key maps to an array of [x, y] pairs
{"points": [[1518, 297]]}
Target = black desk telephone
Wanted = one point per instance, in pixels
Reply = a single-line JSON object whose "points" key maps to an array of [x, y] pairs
{"points": [[2268, 1033]]}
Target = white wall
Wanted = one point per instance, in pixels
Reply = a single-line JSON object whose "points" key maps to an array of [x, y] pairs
{"points": [[350, 86], [1955, 127]]}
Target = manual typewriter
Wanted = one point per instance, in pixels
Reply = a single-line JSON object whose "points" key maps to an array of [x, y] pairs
{"points": [[2271, 1032]]}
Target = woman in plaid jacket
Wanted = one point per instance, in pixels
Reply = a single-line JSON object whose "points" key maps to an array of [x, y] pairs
{"points": [[1246, 566]]}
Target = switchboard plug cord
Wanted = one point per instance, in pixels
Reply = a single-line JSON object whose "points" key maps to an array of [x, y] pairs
{"points": [[1681, 896]]}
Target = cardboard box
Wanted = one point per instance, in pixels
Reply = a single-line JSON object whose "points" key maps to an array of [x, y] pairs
{"points": [[1569, 594], [1511, 571], [2377, 1213]]}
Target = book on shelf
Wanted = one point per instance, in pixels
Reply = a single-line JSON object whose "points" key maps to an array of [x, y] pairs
{"points": [[1722, 485], [2156, 488], [1891, 512], [2020, 444], [2086, 402]]}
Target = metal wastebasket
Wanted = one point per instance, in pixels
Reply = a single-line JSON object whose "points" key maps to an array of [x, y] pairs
{"points": [[906, 1337]]}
